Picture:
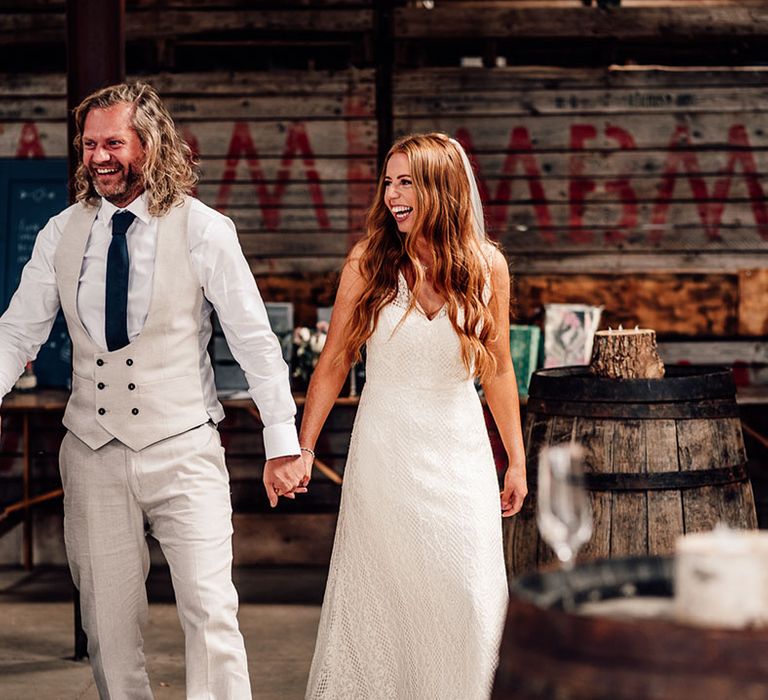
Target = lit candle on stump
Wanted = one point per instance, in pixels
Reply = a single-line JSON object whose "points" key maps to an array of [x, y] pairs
{"points": [[626, 354]]}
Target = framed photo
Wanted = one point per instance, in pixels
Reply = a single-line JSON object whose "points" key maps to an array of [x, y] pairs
{"points": [[230, 379], [281, 319], [569, 331]]}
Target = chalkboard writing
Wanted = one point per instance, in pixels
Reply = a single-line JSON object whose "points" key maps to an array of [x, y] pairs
{"points": [[31, 192]]}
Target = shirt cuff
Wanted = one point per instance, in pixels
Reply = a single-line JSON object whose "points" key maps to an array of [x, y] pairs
{"points": [[281, 440]]}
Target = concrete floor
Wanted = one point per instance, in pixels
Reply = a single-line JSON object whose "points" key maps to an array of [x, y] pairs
{"points": [[279, 613]]}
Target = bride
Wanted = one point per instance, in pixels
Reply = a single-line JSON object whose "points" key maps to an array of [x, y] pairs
{"points": [[417, 592]]}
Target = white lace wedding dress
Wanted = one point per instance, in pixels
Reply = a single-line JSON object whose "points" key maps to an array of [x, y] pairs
{"points": [[417, 592]]}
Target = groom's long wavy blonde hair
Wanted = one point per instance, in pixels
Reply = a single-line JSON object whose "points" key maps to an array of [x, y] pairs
{"points": [[168, 170], [460, 256]]}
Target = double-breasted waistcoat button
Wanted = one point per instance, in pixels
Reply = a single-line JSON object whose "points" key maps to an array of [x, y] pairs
{"points": [[131, 386], [129, 362], [100, 385], [135, 411], [100, 362], [102, 411]]}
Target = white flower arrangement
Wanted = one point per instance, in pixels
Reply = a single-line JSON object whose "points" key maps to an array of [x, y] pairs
{"points": [[308, 346]]}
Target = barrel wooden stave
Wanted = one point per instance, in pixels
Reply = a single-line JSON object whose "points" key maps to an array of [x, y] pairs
{"points": [[550, 654], [665, 508], [641, 521], [602, 660]]}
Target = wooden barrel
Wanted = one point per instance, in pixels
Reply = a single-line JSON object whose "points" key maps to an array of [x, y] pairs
{"points": [[550, 654], [664, 457]]}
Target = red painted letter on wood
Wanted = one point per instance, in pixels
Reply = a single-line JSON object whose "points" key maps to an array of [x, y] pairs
{"points": [[296, 144]]}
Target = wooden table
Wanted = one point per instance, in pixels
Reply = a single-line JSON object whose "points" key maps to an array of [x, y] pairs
{"points": [[28, 404]]}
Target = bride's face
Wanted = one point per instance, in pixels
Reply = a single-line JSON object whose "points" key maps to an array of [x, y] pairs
{"points": [[399, 195]]}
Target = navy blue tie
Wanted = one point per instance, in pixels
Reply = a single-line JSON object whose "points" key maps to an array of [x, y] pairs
{"points": [[116, 307]]}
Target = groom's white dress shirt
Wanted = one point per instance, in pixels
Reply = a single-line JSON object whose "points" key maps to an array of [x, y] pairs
{"points": [[228, 286]]}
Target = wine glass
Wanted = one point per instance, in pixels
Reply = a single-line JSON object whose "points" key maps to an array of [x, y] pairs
{"points": [[563, 514]]}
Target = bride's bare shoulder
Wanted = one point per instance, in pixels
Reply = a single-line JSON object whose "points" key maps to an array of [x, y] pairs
{"points": [[351, 283], [352, 263]]}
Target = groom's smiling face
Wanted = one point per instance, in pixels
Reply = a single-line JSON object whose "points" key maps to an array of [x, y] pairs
{"points": [[399, 195], [113, 154]]}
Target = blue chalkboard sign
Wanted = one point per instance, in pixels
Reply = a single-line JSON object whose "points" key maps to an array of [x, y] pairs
{"points": [[31, 192]]}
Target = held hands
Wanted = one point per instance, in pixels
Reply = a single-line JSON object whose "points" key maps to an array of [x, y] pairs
{"points": [[285, 476], [515, 491]]}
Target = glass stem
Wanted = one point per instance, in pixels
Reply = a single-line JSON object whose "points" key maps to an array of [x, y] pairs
{"points": [[569, 599]]}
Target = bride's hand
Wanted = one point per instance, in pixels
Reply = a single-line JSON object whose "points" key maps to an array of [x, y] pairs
{"points": [[309, 459], [282, 477], [515, 491]]}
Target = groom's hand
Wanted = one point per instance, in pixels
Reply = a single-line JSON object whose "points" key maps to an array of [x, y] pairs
{"points": [[283, 476]]}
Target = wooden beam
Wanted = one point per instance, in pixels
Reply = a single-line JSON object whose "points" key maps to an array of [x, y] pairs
{"points": [[157, 23], [95, 55], [173, 23], [687, 23], [385, 58], [670, 304], [715, 352], [32, 27]]}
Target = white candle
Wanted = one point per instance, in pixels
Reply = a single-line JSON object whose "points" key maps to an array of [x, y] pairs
{"points": [[721, 578]]}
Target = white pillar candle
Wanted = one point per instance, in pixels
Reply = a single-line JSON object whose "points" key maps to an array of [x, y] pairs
{"points": [[721, 578]]}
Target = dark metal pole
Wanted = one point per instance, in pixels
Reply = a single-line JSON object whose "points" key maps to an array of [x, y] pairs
{"points": [[95, 55], [95, 59]]}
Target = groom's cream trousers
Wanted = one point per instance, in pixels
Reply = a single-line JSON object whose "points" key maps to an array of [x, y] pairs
{"points": [[180, 486]]}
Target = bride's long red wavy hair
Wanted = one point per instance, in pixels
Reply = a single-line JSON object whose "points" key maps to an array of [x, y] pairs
{"points": [[460, 256]]}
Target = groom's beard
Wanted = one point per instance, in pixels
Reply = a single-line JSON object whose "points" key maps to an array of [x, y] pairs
{"points": [[122, 187]]}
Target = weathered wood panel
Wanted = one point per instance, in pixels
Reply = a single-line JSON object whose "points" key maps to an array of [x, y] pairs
{"points": [[696, 447], [573, 22], [753, 306], [569, 3], [671, 304], [665, 508], [715, 352], [512, 78], [590, 176], [162, 22], [629, 262], [629, 510], [281, 154], [595, 162], [283, 539], [660, 172], [588, 100]]}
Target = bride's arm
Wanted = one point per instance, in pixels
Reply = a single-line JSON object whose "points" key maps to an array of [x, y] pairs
{"points": [[329, 375], [501, 392]]}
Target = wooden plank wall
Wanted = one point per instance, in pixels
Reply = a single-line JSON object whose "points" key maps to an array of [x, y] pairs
{"points": [[290, 156], [639, 189], [558, 18]]}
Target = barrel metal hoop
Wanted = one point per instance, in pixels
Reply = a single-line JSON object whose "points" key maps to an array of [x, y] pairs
{"points": [[680, 410], [663, 481]]}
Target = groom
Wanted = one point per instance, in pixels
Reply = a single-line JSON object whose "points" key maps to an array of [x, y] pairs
{"points": [[137, 265]]}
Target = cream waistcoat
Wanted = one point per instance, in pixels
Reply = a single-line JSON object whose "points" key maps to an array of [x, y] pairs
{"points": [[151, 389]]}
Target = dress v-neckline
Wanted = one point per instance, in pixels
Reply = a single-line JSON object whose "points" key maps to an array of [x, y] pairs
{"points": [[418, 306]]}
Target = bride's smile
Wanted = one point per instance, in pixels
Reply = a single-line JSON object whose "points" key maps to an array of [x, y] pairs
{"points": [[399, 195]]}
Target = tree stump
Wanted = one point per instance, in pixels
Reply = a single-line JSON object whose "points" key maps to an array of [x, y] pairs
{"points": [[626, 354]]}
